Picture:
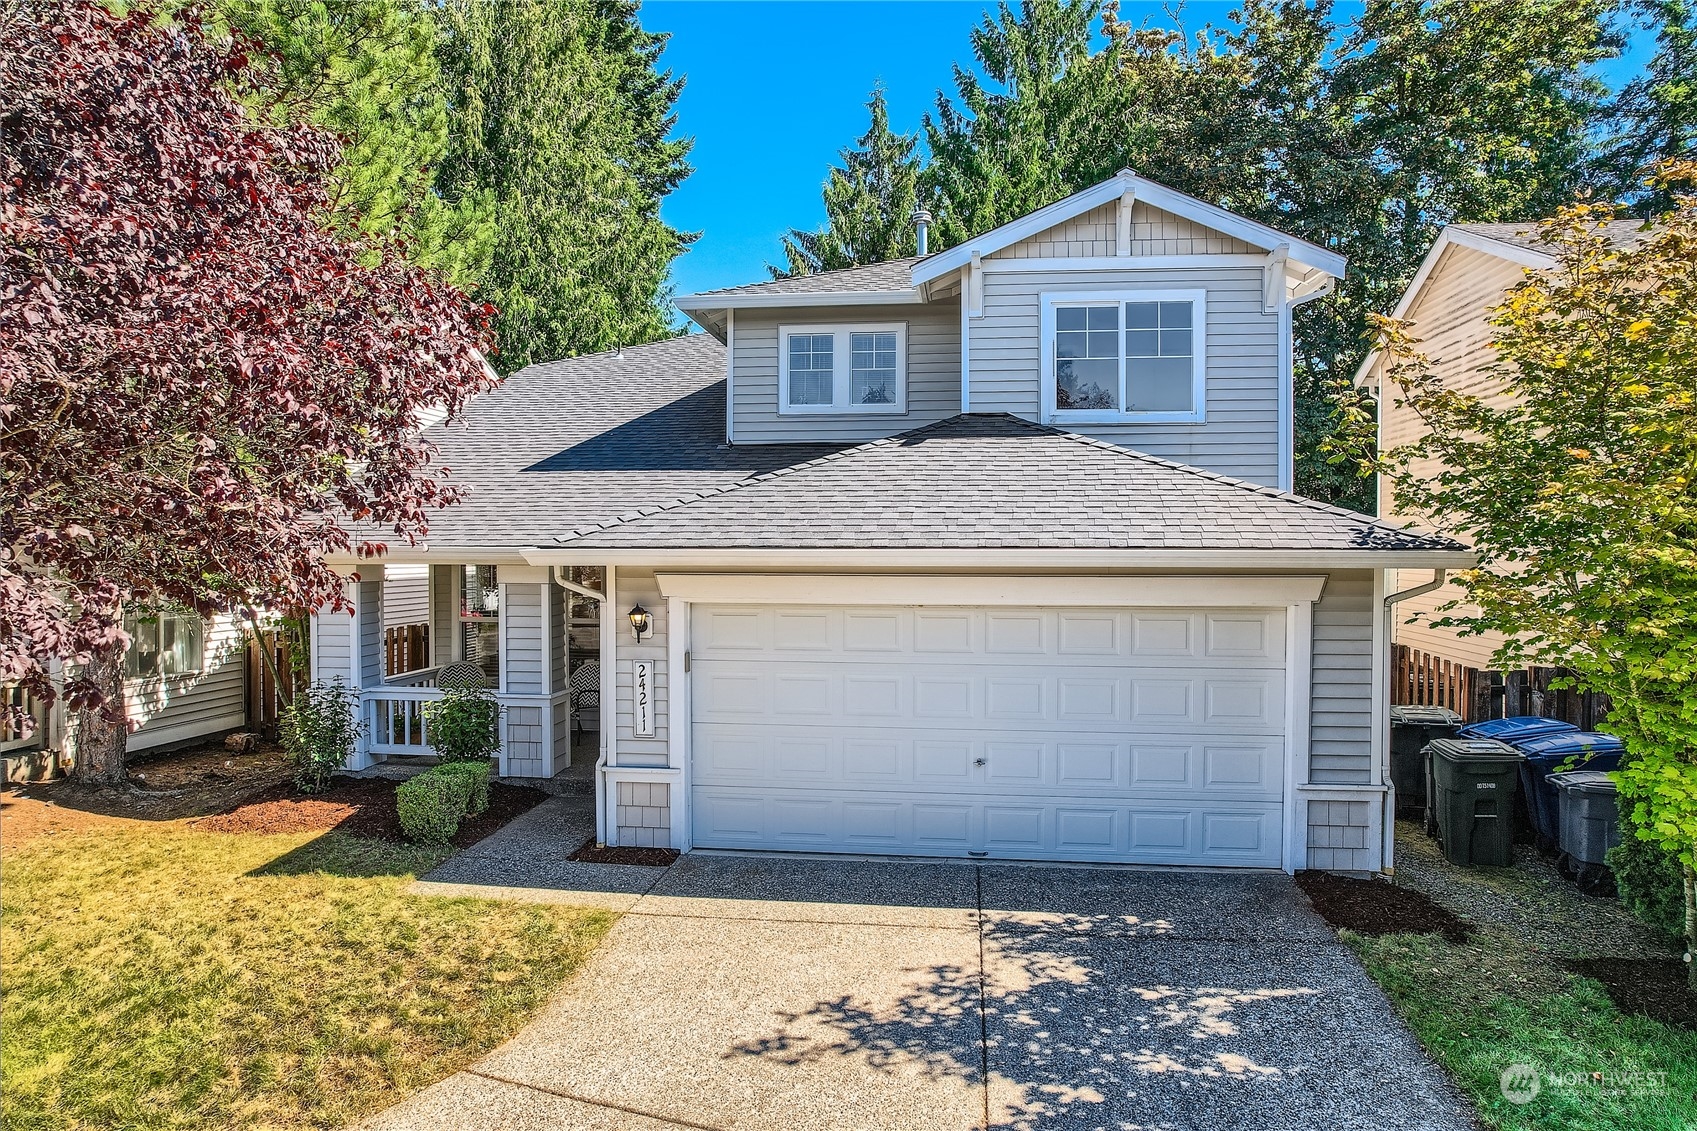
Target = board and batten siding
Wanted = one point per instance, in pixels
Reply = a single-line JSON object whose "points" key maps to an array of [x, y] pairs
{"points": [[640, 587], [933, 374], [1340, 737], [1240, 436], [183, 708], [1451, 319]]}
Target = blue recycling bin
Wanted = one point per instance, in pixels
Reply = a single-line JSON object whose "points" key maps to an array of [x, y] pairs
{"points": [[1544, 754], [1512, 730]]}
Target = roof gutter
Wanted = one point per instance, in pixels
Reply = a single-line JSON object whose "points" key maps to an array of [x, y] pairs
{"points": [[878, 560]]}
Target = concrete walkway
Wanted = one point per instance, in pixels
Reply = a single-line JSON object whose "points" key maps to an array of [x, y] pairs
{"points": [[760, 992]]}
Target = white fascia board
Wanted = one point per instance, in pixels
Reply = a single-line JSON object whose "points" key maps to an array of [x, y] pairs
{"points": [[1453, 236], [1230, 591], [1249, 231], [1073, 560], [707, 304]]}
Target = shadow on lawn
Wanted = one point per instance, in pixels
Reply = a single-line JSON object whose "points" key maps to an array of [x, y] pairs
{"points": [[341, 854]]}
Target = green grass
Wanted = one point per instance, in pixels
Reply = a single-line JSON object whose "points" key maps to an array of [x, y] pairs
{"points": [[1482, 1007], [171, 978]]}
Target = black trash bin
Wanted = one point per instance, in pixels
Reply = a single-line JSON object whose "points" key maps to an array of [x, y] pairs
{"points": [[1473, 782], [1412, 730]]}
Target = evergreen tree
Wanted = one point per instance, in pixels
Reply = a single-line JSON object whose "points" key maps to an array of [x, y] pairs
{"points": [[1655, 117], [869, 203], [561, 114], [366, 70]]}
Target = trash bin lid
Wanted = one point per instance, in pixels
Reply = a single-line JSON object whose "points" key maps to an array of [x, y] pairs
{"points": [[1513, 728], [1472, 748], [1424, 716], [1567, 743], [1584, 781]]}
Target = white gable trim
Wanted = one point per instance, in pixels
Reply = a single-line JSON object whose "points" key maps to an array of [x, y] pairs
{"points": [[704, 304], [1156, 195], [1452, 236]]}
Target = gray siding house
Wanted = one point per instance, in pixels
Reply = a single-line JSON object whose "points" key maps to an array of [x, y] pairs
{"points": [[987, 553]]}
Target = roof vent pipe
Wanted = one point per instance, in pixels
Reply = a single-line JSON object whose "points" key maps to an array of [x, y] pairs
{"points": [[922, 230]]}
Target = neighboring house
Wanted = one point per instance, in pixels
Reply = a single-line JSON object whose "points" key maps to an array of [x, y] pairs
{"points": [[185, 680], [986, 553], [1463, 279]]}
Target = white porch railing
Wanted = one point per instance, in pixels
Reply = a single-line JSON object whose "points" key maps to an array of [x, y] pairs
{"points": [[395, 723], [423, 677]]}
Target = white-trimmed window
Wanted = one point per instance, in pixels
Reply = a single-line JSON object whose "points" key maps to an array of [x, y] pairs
{"points": [[1125, 356], [164, 645], [842, 369]]}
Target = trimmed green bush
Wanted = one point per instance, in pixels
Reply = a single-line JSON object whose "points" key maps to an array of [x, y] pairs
{"points": [[431, 805], [319, 729], [1648, 879], [465, 725], [476, 776]]}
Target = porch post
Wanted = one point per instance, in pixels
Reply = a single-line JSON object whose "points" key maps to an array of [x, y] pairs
{"points": [[349, 646]]}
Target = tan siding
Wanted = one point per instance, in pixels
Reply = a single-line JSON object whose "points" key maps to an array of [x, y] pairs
{"points": [[1451, 319], [183, 708], [1241, 435], [933, 374], [1153, 232], [1341, 729], [639, 587]]}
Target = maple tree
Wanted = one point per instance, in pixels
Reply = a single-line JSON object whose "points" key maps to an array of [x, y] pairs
{"points": [[203, 389]]}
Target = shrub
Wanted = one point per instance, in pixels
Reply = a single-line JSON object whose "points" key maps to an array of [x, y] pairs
{"points": [[1649, 879], [476, 777], [319, 730], [464, 725], [430, 806]]}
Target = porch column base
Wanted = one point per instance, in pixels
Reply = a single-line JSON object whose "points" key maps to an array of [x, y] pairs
{"points": [[644, 807]]}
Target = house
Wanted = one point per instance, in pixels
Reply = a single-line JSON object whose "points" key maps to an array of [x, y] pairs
{"points": [[1463, 279], [986, 553]]}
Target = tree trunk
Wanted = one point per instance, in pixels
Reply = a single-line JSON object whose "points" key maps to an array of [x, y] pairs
{"points": [[1690, 925], [102, 733]]}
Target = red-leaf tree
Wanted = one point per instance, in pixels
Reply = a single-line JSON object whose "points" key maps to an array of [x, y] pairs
{"points": [[202, 391]]}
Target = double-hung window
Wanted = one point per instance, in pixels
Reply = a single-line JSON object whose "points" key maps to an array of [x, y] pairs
{"points": [[1125, 356], [842, 369]]}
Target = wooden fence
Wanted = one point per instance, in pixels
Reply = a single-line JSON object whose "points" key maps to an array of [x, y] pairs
{"points": [[406, 648], [270, 685], [1423, 679]]}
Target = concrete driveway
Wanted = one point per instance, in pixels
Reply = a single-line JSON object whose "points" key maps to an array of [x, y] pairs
{"points": [[759, 992]]}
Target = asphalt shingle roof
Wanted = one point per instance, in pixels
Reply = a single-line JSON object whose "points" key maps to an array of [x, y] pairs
{"points": [[890, 275], [1619, 232], [582, 441], [997, 481]]}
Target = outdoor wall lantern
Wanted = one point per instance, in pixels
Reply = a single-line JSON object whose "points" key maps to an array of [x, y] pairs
{"points": [[640, 622]]}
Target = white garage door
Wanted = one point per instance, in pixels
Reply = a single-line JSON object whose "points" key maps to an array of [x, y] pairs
{"points": [[1136, 735]]}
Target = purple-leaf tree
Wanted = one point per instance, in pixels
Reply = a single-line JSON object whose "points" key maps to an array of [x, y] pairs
{"points": [[202, 391]]}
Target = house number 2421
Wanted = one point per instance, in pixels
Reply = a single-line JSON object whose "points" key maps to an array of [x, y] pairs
{"points": [[642, 697]]}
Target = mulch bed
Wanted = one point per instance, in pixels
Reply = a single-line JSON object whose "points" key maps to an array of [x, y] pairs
{"points": [[1655, 988], [1375, 907], [361, 807], [589, 853]]}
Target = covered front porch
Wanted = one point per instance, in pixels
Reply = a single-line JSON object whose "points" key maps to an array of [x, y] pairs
{"points": [[528, 634]]}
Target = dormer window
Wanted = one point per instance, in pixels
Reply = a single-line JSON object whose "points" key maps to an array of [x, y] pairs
{"points": [[842, 369], [1124, 356]]}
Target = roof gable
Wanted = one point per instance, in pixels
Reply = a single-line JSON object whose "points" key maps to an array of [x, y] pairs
{"points": [[1256, 235], [994, 481]]}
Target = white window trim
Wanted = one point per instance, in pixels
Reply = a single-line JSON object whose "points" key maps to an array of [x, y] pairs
{"points": [[155, 622], [841, 368], [1199, 357]]}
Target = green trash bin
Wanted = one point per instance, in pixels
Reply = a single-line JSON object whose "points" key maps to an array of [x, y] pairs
{"points": [[1474, 781]]}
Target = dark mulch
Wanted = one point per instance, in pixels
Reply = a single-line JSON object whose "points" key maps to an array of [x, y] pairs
{"points": [[1375, 907], [362, 807], [589, 853], [1648, 987]]}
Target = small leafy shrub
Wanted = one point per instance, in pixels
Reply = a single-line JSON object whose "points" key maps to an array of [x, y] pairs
{"points": [[431, 805], [1648, 878], [476, 777], [464, 725], [319, 730]]}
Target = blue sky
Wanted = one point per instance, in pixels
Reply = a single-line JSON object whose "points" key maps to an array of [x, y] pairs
{"points": [[761, 156]]}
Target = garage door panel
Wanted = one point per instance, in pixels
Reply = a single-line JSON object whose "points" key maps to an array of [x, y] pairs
{"points": [[1082, 734]]}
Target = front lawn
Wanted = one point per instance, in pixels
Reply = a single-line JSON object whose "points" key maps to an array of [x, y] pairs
{"points": [[162, 976], [1507, 997]]}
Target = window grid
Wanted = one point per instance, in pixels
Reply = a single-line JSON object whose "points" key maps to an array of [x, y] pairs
{"points": [[1115, 355], [811, 365], [843, 369], [873, 367]]}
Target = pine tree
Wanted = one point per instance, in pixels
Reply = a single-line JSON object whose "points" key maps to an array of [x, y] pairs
{"points": [[366, 70], [869, 203], [1655, 117], [562, 115]]}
